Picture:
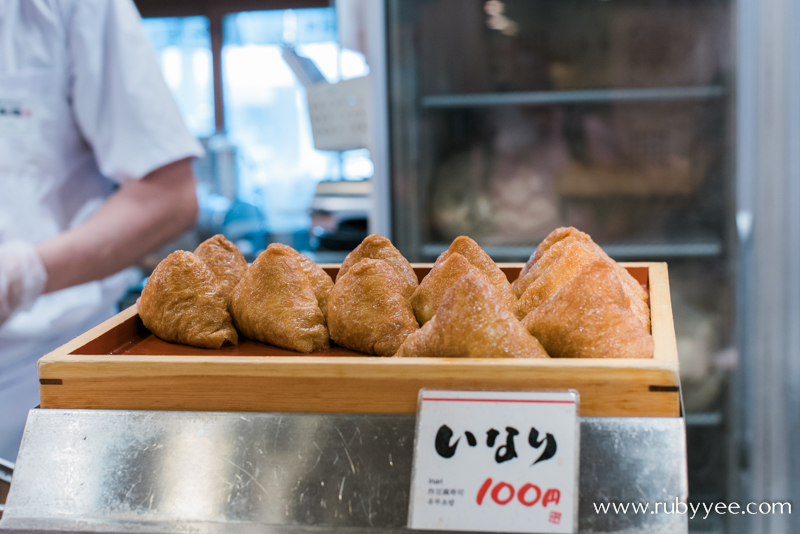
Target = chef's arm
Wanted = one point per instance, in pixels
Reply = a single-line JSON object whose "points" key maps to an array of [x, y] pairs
{"points": [[141, 216]]}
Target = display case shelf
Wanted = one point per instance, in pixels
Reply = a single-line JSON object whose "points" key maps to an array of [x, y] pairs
{"points": [[705, 419], [619, 251], [542, 98]]}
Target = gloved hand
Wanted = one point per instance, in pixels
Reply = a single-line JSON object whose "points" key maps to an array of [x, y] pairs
{"points": [[22, 277]]}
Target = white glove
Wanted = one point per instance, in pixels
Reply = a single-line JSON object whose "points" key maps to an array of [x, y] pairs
{"points": [[22, 277]]}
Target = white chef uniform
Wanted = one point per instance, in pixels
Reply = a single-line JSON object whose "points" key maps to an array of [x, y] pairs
{"points": [[83, 106]]}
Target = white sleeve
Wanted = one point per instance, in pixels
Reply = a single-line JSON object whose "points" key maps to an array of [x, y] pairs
{"points": [[121, 103]]}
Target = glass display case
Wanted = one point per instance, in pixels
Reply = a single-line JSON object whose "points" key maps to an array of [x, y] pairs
{"points": [[511, 118]]}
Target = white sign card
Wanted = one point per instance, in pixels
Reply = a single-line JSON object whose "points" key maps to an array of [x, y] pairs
{"points": [[496, 461]]}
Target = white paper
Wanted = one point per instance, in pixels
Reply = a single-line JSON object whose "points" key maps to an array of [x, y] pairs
{"points": [[504, 462]]}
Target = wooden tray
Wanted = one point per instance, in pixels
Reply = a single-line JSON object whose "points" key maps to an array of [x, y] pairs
{"points": [[120, 365]]}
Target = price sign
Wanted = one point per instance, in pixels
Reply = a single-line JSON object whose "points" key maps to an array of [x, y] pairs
{"points": [[496, 461]]}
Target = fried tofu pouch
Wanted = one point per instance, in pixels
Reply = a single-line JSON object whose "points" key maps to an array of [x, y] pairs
{"points": [[377, 247], [368, 310], [553, 237], [552, 247], [321, 282], [473, 321], [440, 279], [549, 257], [182, 302], [468, 248], [571, 262], [275, 303], [225, 260], [590, 317]]}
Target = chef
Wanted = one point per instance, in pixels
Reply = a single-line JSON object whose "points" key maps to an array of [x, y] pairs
{"points": [[95, 172]]}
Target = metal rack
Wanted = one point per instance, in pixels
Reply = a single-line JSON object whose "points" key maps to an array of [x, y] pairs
{"points": [[620, 251], [573, 97], [144, 471]]}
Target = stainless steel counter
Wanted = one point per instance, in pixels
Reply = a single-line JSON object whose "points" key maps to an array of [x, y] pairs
{"points": [[210, 472]]}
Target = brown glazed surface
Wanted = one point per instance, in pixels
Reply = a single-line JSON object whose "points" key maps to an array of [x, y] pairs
{"points": [[275, 303], [379, 248], [548, 257], [182, 302], [368, 310], [551, 248], [431, 290], [320, 281], [472, 322], [571, 261], [590, 318], [225, 261], [553, 237], [468, 248]]}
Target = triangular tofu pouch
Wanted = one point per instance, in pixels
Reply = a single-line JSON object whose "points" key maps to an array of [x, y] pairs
{"points": [[571, 262], [321, 282], [377, 247], [275, 303], [368, 310], [439, 280], [225, 260], [590, 318], [552, 238], [468, 248], [551, 248], [182, 302], [472, 322]]}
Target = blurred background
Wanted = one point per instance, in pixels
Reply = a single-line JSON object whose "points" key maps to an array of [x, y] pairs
{"points": [[669, 130]]}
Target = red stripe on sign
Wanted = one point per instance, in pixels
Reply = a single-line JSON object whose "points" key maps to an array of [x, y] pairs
{"points": [[505, 400]]}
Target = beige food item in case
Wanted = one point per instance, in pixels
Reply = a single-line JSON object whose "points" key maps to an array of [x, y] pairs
{"points": [[321, 282], [368, 310], [183, 302], [377, 247], [555, 237], [473, 321], [551, 248], [568, 264], [225, 260], [439, 280], [275, 303], [590, 318], [468, 248]]}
